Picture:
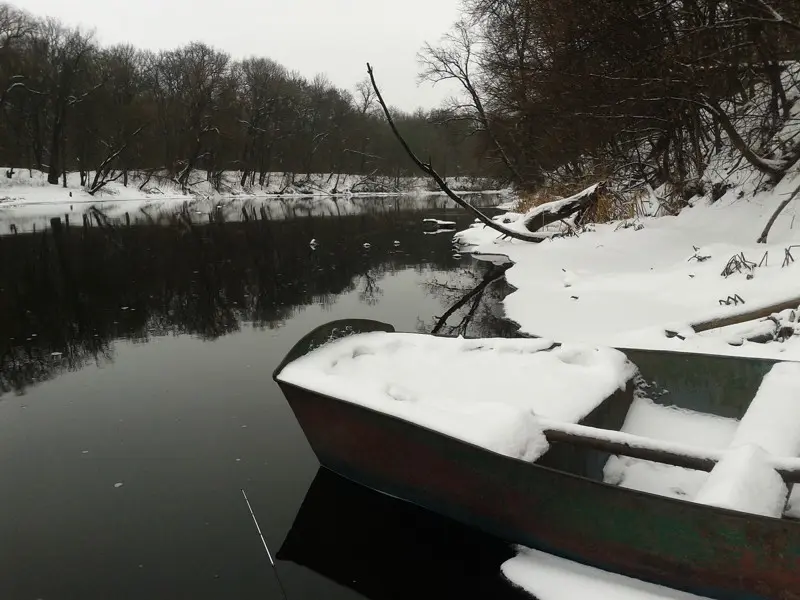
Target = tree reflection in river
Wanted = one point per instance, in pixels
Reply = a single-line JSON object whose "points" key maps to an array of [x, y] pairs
{"points": [[65, 298], [474, 301]]}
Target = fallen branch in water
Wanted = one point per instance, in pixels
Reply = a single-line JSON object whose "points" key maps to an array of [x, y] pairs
{"points": [[429, 170]]}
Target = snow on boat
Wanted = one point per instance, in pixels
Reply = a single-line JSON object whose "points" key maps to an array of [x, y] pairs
{"points": [[545, 445]]}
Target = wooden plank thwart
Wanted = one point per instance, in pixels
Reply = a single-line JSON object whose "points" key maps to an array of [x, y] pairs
{"points": [[634, 446]]}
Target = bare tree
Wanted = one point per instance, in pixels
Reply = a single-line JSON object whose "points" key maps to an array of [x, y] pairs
{"points": [[68, 105], [453, 60], [365, 97]]}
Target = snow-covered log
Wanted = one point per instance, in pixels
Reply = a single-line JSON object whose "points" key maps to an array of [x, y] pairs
{"points": [[551, 212], [438, 224], [742, 316]]}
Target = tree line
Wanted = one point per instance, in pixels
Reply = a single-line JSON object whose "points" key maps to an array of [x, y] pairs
{"points": [[67, 104], [640, 89], [645, 90]]}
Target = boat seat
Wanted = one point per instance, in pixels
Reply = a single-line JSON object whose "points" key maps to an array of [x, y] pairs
{"points": [[772, 420], [745, 479]]}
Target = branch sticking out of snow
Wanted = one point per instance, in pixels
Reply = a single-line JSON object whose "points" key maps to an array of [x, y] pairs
{"points": [[741, 316], [762, 239]]}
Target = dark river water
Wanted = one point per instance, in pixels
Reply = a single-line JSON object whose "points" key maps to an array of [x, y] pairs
{"points": [[136, 401]]}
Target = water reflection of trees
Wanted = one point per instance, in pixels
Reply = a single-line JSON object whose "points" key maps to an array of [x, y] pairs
{"points": [[64, 298], [474, 301]]}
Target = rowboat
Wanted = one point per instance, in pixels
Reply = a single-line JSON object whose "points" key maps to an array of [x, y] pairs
{"points": [[558, 501]]}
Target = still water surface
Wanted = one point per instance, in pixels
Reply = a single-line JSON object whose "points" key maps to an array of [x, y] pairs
{"points": [[136, 401]]}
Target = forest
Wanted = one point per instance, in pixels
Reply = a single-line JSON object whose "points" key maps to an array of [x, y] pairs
{"points": [[630, 90], [68, 104]]}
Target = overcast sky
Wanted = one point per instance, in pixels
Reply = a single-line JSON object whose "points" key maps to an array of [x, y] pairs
{"points": [[335, 37]]}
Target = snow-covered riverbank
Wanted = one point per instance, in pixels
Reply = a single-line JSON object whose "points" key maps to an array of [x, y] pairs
{"points": [[624, 284], [26, 199]]}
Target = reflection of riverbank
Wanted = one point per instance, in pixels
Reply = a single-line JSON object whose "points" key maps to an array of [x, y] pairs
{"points": [[36, 216], [69, 296], [27, 201]]}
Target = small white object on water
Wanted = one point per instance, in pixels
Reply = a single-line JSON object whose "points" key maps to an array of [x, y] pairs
{"points": [[367, 245], [457, 256], [56, 354], [118, 484], [396, 243], [439, 223], [313, 243], [238, 460], [85, 452]]}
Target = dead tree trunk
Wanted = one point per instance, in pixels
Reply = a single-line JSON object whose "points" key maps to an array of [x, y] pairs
{"points": [[552, 212], [53, 171]]}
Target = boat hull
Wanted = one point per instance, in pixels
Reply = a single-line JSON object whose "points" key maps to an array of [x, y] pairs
{"points": [[712, 552]]}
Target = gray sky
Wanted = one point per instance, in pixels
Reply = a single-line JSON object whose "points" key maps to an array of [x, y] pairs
{"points": [[335, 37]]}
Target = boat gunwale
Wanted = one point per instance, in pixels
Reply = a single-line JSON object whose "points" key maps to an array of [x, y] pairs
{"points": [[291, 355], [743, 516]]}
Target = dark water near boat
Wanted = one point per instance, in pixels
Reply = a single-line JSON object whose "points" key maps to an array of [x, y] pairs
{"points": [[136, 401]]}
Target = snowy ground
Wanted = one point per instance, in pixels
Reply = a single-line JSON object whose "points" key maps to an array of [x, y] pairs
{"points": [[624, 286], [27, 200]]}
